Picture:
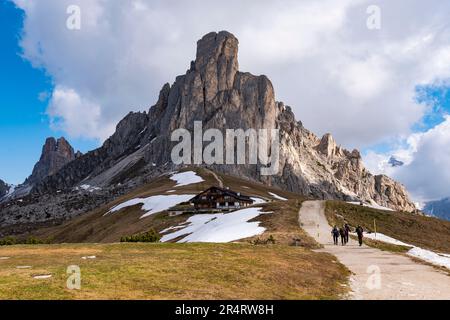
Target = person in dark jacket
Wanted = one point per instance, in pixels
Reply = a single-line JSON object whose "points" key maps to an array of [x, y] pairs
{"points": [[347, 232], [335, 233], [342, 233], [359, 232]]}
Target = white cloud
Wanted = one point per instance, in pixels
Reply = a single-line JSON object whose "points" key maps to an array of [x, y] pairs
{"points": [[75, 115], [426, 172], [378, 163], [363, 80]]}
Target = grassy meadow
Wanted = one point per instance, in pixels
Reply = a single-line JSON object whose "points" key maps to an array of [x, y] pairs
{"points": [[171, 271]]}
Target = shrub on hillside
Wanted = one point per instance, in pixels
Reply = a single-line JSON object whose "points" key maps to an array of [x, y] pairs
{"points": [[10, 241], [150, 236], [259, 241]]}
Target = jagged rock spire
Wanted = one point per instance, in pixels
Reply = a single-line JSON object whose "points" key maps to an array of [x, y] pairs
{"points": [[327, 145], [55, 155], [217, 61]]}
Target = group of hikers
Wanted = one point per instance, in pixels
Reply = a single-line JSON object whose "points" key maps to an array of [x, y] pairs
{"points": [[344, 232]]}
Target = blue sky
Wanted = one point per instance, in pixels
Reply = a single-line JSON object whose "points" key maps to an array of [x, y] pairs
{"points": [[437, 97], [24, 125]]}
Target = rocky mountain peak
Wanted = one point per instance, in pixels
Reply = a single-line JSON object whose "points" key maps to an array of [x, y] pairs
{"points": [[55, 155], [214, 71], [216, 93], [217, 60], [327, 145]]}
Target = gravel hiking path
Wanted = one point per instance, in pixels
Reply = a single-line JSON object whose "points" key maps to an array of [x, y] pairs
{"points": [[400, 278], [219, 181]]}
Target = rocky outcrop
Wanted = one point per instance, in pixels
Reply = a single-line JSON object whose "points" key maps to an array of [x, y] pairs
{"points": [[391, 194], [4, 188], [327, 146], [321, 168], [215, 92], [55, 155], [125, 141]]}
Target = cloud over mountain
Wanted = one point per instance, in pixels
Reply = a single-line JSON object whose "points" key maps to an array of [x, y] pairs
{"points": [[426, 171], [338, 75]]}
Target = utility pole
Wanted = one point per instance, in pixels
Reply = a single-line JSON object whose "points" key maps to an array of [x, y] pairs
{"points": [[375, 227], [318, 232]]}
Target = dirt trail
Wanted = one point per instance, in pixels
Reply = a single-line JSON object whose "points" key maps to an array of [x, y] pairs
{"points": [[219, 181], [400, 277]]}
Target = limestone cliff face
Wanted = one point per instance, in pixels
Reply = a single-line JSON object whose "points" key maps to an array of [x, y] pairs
{"points": [[215, 92], [321, 168]]}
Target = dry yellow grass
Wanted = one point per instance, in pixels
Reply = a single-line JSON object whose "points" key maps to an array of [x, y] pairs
{"points": [[172, 271], [283, 224]]}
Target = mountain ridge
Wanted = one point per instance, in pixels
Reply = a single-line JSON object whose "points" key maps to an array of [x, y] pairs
{"points": [[214, 91], [4, 188], [438, 208]]}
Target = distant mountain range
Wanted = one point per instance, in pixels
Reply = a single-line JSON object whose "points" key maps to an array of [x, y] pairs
{"points": [[65, 184], [393, 162], [439, 208]]}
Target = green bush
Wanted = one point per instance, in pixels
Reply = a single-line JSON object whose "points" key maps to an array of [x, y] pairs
{"points": [[259, 241], [10, 241], [150, 236], [33, 240]]}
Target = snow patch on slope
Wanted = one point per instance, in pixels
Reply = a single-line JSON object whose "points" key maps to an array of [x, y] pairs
{"points": [[186, 178], [373, 206], [258, 200], [11, 190], [438, 259], [385, 238], [219, 228], [277, 196], [154, 204], [87, 187], [430, 256]]}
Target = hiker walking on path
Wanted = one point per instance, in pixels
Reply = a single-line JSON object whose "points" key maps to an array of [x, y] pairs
{"points": [[335, 233], [347, 232], [342, 233], [359, 232]]}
